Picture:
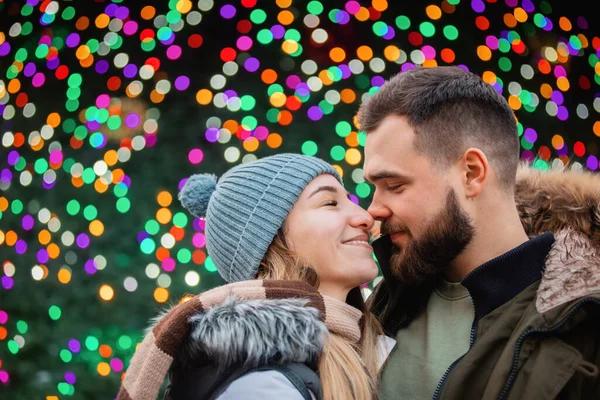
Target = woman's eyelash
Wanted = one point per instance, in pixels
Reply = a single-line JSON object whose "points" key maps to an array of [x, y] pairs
{"points": [[332, 203]]}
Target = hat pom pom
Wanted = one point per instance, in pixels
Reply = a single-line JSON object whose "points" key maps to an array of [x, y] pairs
{"points": [[196, 193]]}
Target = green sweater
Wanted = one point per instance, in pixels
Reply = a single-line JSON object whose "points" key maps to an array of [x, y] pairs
{"points": [[432, 342]]}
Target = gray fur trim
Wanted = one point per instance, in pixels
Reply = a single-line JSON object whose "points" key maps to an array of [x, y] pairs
{"points": [[256, 332], [572, 271]]}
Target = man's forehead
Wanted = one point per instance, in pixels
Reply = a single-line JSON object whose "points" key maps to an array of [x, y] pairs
{"points": [[388, 145], [393, 134]]}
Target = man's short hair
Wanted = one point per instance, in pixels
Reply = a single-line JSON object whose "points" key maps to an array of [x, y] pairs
{"points": [[450, 110]]}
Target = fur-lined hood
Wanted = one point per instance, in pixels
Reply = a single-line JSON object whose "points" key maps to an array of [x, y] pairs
{"points": [[567, 203], [558, 199], [255, 333]]}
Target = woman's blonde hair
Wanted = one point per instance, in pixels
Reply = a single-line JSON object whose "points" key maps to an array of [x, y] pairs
{"points": [[347, 370]]}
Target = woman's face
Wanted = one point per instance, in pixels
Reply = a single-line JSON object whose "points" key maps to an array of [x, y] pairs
{"points": [[331, 233]]}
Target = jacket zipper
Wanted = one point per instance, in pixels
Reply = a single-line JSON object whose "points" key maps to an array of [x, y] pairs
{"points": [[438, 390], [513, 371]]}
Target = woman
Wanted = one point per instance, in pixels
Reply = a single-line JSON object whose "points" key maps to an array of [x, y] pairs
{"points": [[294, 248]]}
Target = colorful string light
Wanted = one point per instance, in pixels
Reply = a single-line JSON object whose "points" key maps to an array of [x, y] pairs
{"points": [[84, 86]]}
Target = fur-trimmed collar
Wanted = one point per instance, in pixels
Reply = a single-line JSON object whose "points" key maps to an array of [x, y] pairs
{"points": [[567, 203], [255, 333]]}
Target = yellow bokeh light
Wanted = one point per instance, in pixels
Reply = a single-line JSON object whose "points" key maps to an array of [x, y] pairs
{"points": [[285, 17], [106, 292], [484, 53], [204, 96], [325, 77], [251, 144], [364, 53], [362, 14], [164, 198], [558, 142], [82, 52], [380, 5], [11, 238], [520, 14], [163, 215], [278, 99], [514, 102], [184, 6], [353, 156], [64, 276], [563, 83], [102, 21], [96, 227], [161, 294], [53, 119], [101, 185], [103, 368], [111, 157], [289, 46], [391, 53], [546, 90], [44, 237], [53, 251], [433, 12]]}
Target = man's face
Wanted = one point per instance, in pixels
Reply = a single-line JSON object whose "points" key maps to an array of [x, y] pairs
{"points": [[416, 203]]}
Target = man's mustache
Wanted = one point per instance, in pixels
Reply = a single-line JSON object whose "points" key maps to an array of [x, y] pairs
{"points": [[388, 228]]}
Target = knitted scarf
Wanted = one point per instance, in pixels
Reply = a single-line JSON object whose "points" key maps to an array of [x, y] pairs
{"points": [[153, 358]]}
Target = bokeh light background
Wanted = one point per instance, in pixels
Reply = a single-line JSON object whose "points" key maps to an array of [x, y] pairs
{"points": [[107, 106]]}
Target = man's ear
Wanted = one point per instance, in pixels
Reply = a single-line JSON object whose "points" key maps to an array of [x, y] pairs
{"points": [[474, 169]]}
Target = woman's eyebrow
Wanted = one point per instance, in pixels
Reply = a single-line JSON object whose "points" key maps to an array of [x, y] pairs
{"points": [[323, 189]]}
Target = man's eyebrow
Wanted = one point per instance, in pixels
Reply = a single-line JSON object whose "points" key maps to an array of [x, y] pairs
{"points": [[373, 178], [323, 189]]}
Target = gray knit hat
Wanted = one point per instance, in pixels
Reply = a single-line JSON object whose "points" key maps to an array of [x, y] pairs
{"points": [[247, 206]]}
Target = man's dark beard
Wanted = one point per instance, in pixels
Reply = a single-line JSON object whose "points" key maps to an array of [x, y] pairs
{"points": [[445, 237]]}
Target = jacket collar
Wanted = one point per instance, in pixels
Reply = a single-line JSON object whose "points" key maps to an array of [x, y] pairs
{"points": [[500, 279]]}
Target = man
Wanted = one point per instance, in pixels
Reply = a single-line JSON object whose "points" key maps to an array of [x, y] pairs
{"points": [[491, 282]]}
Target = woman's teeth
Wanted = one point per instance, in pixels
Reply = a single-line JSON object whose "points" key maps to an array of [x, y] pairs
{"points": [[360, 242]]}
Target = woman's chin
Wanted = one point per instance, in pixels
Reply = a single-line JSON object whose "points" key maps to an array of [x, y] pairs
{"points": [[367, 272]]}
